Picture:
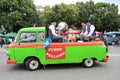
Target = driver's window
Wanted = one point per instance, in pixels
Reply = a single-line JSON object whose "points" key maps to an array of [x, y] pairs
{"points": [[28, 37], [41, 37]]}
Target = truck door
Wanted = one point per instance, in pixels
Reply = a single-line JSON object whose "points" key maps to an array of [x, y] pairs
{"points": [[26, 46], [53, 54]]}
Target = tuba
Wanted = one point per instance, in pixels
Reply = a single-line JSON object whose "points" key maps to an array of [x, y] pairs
{"points": [[62, 27]]}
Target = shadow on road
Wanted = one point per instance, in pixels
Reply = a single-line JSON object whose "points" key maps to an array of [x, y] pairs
{"points": [[19, 67], [59, 66]]}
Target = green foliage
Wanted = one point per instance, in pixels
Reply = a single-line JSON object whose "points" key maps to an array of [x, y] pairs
{"points": [[103, 15], [60, 12], [16, 14]]}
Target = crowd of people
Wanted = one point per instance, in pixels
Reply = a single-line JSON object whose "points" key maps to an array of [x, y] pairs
{"points": [[87, 32], [5, 41]]}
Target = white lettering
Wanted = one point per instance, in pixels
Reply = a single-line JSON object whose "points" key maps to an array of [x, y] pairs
{"points": [[55, 49], [55, 56]]}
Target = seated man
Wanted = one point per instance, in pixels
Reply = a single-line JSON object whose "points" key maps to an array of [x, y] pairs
{"points": [[83, 33], [51, 33], [90, 31]]}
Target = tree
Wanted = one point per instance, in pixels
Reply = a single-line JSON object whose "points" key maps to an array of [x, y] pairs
{"points": [[103, 15], [59, 12], [85, 11], [16, 14], [108, 15]]}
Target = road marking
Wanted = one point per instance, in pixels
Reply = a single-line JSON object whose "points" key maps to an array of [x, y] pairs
{"points": [[114, 55]]}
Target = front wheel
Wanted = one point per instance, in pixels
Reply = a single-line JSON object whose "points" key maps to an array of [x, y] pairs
{"points": [[89, 62], [32, 64]]}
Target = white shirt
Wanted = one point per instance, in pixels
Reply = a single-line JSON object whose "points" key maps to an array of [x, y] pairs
{"points": [[92, 28], [85, 33], [52, 28]]}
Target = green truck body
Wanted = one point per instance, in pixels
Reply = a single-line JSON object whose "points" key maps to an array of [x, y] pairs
{"points": [[33, 53]]}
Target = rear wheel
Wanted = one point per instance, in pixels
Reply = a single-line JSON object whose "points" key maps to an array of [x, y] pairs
{"points": [[32, 64], [88, 62]]}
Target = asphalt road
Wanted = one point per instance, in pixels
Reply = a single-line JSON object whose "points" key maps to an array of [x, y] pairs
{"points": [[101, 71]]}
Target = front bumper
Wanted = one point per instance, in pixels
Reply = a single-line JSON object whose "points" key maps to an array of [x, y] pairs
{"points": [[105, 59], [10, 61]]}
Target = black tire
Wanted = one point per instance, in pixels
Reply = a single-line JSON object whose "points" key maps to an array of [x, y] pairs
{"points": [[88, 62], [32, 64]]}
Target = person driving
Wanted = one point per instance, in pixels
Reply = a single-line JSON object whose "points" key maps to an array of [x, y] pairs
{"points": [[31, 38]]}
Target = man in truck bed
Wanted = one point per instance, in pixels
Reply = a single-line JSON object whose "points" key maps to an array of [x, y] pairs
{"points": [[52, 34]]}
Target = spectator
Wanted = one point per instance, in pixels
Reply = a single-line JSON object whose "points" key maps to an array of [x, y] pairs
{"points": [[1, 41]]}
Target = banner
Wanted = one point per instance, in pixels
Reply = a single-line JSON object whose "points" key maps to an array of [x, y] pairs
{"points": [[55, 53]]}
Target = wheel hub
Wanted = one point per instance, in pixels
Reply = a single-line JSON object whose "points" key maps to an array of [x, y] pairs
{"points": [[34, 64], [89, 62]]}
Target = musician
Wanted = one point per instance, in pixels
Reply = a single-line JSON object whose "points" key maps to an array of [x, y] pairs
{"points": [[52, 34]]}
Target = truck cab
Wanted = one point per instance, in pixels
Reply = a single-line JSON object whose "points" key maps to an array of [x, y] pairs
{"points": [[29, 49]]}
